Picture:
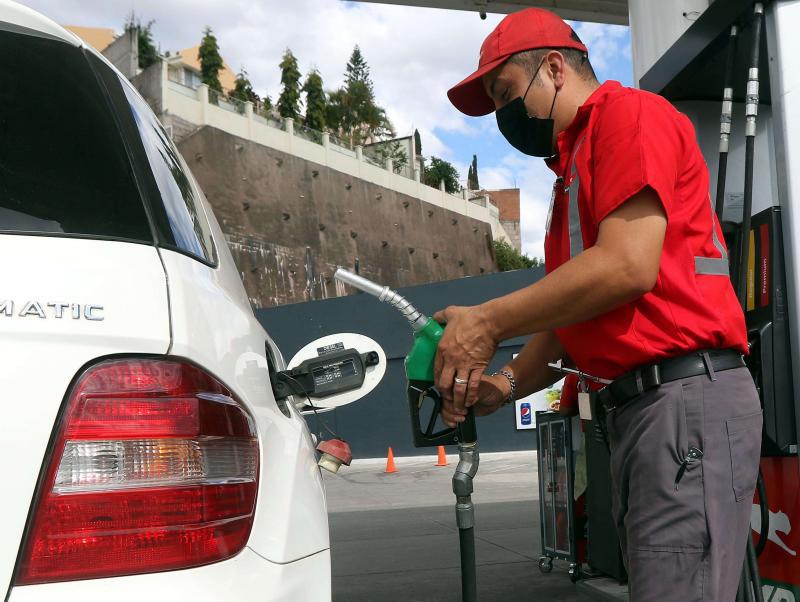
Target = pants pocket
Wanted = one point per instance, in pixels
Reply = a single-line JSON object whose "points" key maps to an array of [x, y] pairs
{"points": [[661, 517], [744, 440]]}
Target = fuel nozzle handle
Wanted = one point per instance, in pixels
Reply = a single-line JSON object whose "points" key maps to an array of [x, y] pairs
{"points": [[419, 368], [385, 294]]}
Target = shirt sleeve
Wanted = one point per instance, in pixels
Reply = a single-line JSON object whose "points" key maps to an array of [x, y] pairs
{"points": [[636, 143]]}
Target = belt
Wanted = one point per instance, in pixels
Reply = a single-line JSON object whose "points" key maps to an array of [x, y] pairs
{"points": [[637, 381]]}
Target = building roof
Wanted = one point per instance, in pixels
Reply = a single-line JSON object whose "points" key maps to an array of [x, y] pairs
{"points": [[191, 58], [97, 37], [600, 11]]}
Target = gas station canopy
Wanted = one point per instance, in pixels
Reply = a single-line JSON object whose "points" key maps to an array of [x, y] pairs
{"points": [[598, 11]]}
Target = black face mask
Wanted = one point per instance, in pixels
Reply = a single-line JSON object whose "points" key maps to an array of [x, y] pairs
{"points": [[530, 135]]}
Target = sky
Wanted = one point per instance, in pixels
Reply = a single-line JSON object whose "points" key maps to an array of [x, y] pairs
{"points": [[415, 55]]}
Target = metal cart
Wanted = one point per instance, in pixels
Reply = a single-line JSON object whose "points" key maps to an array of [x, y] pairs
{"points": [[556, 501]]}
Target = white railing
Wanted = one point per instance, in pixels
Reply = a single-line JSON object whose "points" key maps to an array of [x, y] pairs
{"points": [[181, 89], [239, 119]]}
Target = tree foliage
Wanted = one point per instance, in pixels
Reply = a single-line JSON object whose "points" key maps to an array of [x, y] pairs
{"points": [[148, 54], [472, 174], [210, 60], [508, 258], [439, 170], [417, 144], [289, 100], [392, 150], [266, 105], [316, 101], [243, 89], [357, 69], [352, 112]]}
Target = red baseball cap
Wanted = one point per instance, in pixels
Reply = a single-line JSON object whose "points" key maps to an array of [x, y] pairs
{"points": [[524, 30]]}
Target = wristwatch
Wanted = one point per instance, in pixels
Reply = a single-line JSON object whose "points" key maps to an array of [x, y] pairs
{"points": [[512, 381]]}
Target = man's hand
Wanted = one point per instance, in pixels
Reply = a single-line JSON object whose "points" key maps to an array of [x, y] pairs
{"points": [[463, 353], [492, 392]]}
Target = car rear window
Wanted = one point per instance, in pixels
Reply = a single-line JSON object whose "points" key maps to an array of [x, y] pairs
{"points": [[63, 164], [188, 228]]}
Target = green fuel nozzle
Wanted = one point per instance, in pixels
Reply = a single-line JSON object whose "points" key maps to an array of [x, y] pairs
{"points": [[418, 364]]}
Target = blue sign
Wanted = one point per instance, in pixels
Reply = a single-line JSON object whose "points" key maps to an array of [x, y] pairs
{"points": [[525, 413]]}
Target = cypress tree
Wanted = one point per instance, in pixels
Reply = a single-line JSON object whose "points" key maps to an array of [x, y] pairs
{"points": [[210, 60], [472, 174], [315, 101], [289, 100]]}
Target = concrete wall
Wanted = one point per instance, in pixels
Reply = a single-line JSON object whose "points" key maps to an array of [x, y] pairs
{"points": [[124, 53], [193, 106], [290, 221], [149, 85]]}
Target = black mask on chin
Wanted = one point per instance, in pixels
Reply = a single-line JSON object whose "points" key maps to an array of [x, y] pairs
{"points": [[530, 135]]}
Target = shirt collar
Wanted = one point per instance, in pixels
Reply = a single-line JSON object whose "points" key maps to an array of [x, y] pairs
{"points": [[567, 138]]}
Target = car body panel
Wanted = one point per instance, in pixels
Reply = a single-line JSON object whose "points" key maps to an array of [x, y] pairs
{"points": [[246, 576], [213, 325], [152, 301], [42, 355], [17, 15]]}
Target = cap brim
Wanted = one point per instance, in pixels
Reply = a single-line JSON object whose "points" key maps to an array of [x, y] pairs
{"points": [[469, 95]]}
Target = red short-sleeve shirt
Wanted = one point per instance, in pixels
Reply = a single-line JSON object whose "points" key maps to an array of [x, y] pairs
{"points": [[622, 141]]}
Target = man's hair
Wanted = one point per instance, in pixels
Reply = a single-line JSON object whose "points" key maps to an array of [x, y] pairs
{"points": [[578, 60]]}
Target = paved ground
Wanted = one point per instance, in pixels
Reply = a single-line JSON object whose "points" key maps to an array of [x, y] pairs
{"points": [[394, 538]]}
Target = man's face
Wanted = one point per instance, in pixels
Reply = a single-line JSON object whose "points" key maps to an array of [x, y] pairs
{"points": [[510, 80]]}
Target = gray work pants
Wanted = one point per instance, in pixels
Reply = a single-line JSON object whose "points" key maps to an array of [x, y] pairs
{"points": [[686, 541]]}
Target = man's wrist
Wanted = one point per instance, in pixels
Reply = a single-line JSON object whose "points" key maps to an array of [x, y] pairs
{"points": [[488, 317], [508, 384]]}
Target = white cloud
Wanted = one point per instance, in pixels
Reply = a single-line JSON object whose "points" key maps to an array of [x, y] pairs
{"points": [[606, 43]]}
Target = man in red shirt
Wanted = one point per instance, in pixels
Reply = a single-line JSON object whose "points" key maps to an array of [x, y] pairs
{"points": [[637, 292]]}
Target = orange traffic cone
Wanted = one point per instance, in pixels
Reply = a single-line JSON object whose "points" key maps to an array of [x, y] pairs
{"points": [[442, 457], [390, 467]]}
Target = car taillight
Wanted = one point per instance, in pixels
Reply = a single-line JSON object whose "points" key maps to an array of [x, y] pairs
{"points": [[154, 468]]}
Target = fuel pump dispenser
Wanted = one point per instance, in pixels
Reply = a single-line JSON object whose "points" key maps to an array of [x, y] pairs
{"points": [[419, 373]]}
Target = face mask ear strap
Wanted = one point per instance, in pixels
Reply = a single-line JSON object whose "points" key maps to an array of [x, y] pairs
{"points": [[550, 116], [533, 79]]}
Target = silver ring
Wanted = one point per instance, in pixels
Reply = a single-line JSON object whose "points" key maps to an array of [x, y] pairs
{"points": [[461, 381]]}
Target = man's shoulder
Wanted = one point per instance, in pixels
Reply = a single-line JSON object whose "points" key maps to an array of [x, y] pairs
{"points": [[625, 98], [629, 107]]}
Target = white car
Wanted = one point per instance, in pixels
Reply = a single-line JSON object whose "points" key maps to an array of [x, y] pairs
{"points": [[143, 453]]}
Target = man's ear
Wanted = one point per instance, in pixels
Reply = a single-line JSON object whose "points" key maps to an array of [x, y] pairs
{"points": [[556, 66]]}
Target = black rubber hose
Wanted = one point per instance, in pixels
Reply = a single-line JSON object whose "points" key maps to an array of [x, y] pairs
{"points": [[722, 172], [749, 154], [469, 586], [752, 568], [747, 584], [725, 120], [764, 507], [742, 584]]}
